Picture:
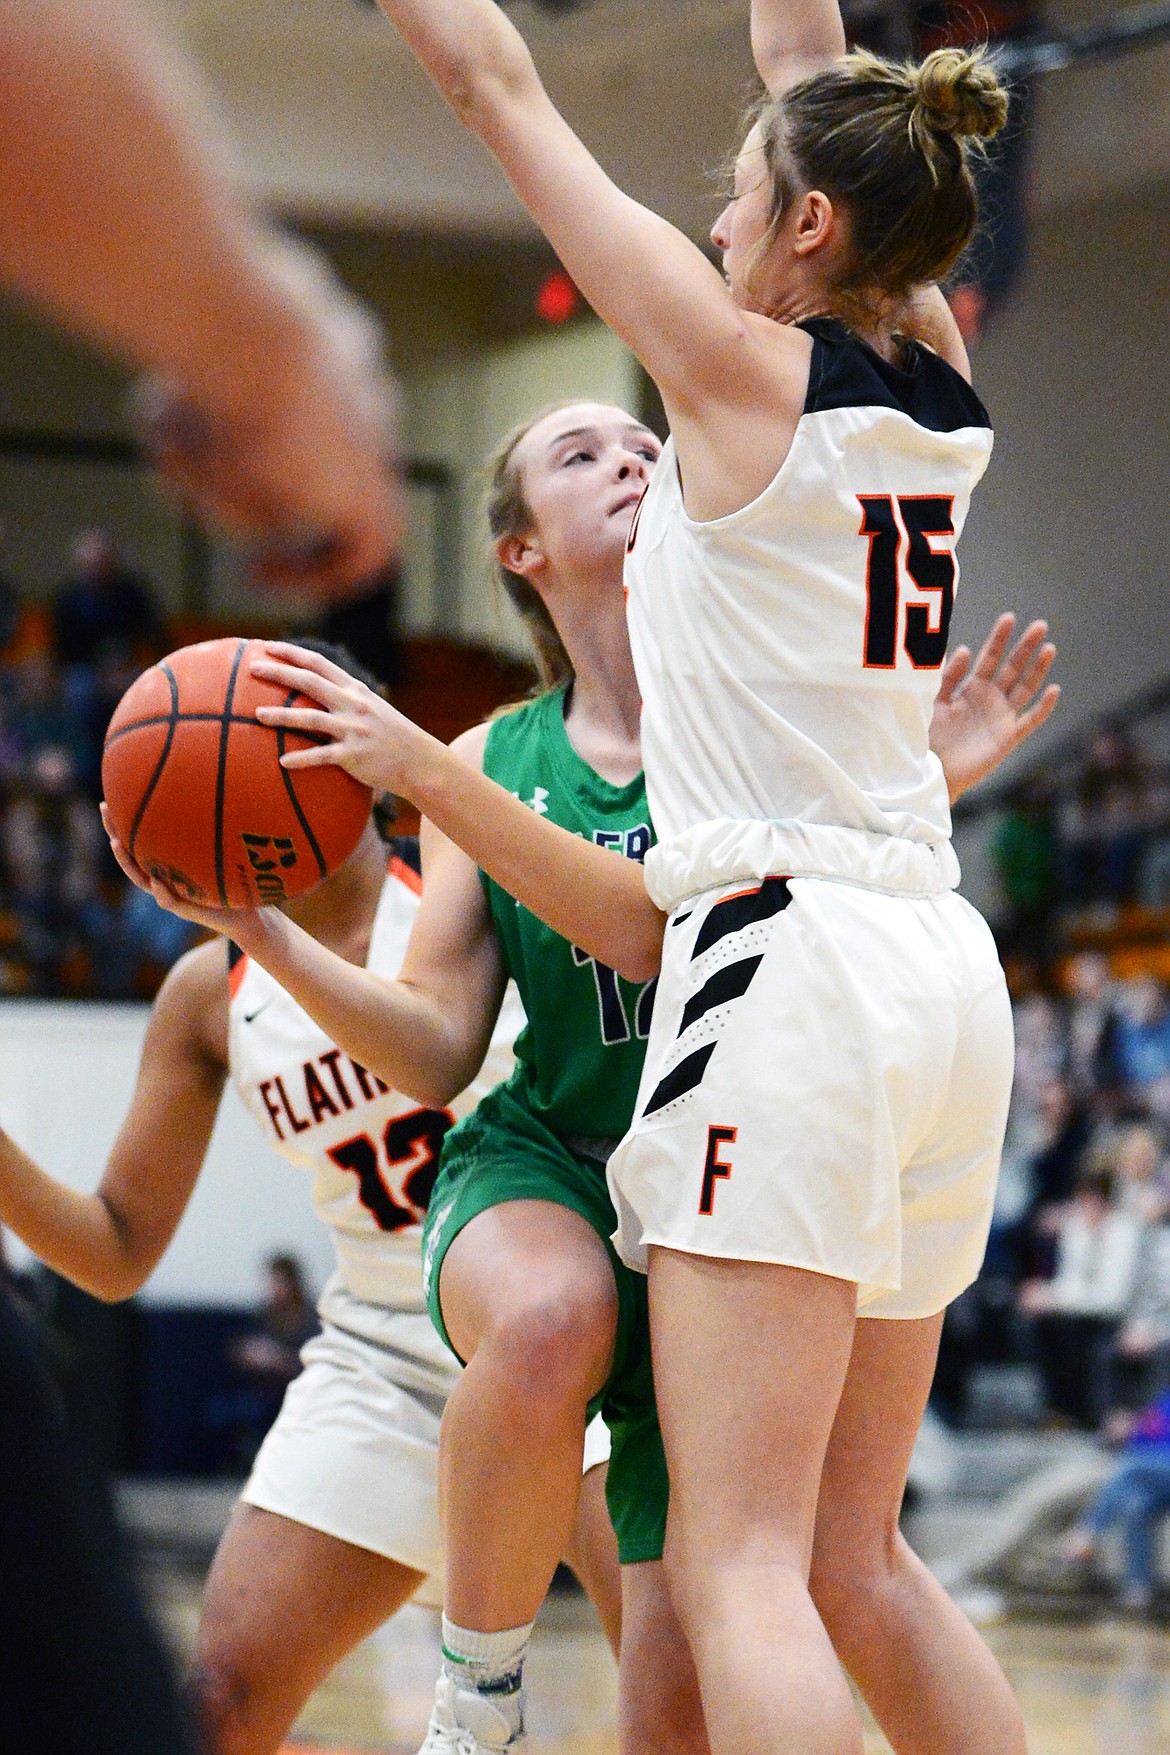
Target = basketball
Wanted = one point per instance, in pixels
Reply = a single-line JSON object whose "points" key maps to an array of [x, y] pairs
{"points": [[196, 793]]}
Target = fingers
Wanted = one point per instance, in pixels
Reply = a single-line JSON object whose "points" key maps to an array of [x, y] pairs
{"points": [[954, 673], [1034, 676], [322, 755], [162, 893], [290, 653], [302, 679], [1021, 655], [312, 721], [133, 872], [1036, 715], [994, 647]]}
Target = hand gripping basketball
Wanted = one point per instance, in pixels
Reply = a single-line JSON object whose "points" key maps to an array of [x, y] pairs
{"points": [[350, 727], [196, 793]]}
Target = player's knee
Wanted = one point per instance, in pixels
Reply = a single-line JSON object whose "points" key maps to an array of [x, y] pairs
{"points": [[849, 1580], [559, 1344], [222, 1701], [668, 1724]]}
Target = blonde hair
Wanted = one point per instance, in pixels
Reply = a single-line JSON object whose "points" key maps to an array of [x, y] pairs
{"points": [[892, 143], [509, 514]]}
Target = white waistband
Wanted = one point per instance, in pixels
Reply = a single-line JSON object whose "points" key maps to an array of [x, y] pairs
{"points": [[728, 851]]}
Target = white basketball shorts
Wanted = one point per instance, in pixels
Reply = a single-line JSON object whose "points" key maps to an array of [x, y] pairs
{"points": [[354, 1451], [826, 1087]]}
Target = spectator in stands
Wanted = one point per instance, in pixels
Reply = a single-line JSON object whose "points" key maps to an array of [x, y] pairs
{"points": [[1102, 827], [105, 684], [1139, 1160], [1040, 1046], [1093, 1068], [104, 604], [54, 849], [1024, 853], [1077, 1313], [11, 742], [1059, 1138], [1136, 1496], [266, 1357], [1143, 1043], [154, 939], [1140, 1357], [44, 712]]}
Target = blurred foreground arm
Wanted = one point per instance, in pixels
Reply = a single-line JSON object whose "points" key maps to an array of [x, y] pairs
{"points": [[120, 216]]}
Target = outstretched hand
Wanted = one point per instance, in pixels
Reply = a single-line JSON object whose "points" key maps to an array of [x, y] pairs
{"points": [[364, 734], [985, 710]]}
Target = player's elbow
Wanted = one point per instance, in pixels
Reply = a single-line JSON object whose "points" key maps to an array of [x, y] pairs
{"points": [[438, 1090], [640, 958], [115, 1284], [481, 84]]}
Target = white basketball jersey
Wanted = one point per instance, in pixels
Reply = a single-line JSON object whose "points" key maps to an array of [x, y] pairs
{"points": [[789, 653], [372, 1152]]}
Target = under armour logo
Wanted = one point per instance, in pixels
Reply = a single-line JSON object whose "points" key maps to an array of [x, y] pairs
{"points": [[539, 801]]}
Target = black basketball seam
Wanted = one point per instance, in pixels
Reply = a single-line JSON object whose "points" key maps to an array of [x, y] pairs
{"points": [[170, 722], [177, 719], [292, 791], [221, 773]]}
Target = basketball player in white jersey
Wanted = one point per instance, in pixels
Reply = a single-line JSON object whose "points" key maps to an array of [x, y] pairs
{"points": [[337, 1525], [830, 1058]]}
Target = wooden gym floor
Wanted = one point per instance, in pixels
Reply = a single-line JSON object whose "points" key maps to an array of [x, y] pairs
{"points": [[1098, 1687]]}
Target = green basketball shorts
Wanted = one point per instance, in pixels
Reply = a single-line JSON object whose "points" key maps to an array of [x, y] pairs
{"points": [[502, 1152]]}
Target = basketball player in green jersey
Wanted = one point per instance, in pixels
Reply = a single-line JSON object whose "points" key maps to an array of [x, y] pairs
{"points": [[521, 1275]]}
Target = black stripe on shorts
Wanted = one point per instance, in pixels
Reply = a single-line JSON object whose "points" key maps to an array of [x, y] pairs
{"points": [[743, 909], [683, 1078], [726, 984]]}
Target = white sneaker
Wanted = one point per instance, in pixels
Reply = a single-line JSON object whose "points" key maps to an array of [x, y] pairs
{"points": [[466, 1723]]}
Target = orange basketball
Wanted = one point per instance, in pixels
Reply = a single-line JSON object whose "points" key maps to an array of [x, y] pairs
{"points": [[196, 792]]}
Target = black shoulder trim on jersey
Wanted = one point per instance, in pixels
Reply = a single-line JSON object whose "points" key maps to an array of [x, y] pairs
{"points": [[847, 373], [235, 955], [405, 848]]}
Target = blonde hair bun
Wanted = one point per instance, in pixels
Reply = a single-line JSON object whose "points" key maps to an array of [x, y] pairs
{"points": [[958, 92]]}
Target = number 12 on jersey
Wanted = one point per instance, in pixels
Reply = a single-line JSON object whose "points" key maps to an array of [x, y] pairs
{"points": [[904, 527]]}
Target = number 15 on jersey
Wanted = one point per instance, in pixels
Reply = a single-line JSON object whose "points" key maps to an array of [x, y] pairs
{"points": [[911, 543]]}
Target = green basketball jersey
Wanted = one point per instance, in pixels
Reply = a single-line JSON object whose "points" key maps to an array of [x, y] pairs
{"points": [[579, 1060]]}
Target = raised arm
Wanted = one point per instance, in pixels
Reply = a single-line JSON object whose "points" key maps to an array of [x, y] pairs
{"points": [[110, 1241], [793, 38], [120, 216], [643, 277]]}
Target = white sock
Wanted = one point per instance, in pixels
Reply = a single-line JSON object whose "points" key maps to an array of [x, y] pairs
{"points": [[491, 1664]]}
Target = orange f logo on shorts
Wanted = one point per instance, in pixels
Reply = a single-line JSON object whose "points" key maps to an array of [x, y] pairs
{"points": [[715, 1168]]}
